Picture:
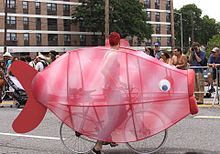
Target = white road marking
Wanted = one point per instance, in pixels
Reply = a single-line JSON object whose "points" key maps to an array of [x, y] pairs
{"points": [[207, 117], [30, 136]]}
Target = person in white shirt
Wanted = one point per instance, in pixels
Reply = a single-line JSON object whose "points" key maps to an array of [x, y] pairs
{"points": [[41, 63]]}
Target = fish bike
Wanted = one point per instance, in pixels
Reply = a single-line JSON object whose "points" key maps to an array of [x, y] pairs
{"points": [[81, 144]]}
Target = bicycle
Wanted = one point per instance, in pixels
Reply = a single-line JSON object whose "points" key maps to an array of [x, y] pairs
{"points": [[80, 144]]}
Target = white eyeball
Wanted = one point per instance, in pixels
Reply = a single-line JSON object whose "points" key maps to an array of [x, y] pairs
{"points": [[164, 85]]}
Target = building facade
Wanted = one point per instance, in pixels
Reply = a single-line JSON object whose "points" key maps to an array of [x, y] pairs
{"points": [[43, 25], [38, 26], [160, 16]]}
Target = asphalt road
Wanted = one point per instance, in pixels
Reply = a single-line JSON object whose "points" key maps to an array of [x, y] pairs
{"points": [[193, 135]]}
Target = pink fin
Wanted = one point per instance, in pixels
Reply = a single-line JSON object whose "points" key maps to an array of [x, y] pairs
{"points": [[33, 112]]}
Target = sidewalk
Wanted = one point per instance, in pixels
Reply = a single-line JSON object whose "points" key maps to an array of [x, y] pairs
{"points": [[8, 103]]}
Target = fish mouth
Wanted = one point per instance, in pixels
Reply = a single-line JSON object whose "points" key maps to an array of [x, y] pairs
{"points": [[192, 101]]}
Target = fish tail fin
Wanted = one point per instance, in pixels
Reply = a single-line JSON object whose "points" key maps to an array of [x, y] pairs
{"points": [[33, 111]]}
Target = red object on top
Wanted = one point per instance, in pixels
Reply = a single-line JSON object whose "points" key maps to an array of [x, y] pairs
{"points": [[110, 95], [123, 43], [114, 38]]}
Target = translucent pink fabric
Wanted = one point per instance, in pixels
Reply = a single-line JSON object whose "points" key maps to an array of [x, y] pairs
{"points": [[118, 96]]}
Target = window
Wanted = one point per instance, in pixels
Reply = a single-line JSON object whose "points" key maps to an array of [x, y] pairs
{"points": [[52, 24], [66, 7], [168, 5], [157, 16], [11, 37], [11, 4], [168, 29], [169, 42], [26, 39], [82, 40], [147, 4], [157, 4], [148, 15], [66, 10], [26, 22], [67, 39], [158, 29], [38, 24], [168, 17], [37, 8], [51, 9], [38, 39], [52, 39], [66, 23], [11, 22], [37, 5], [25, 5]]}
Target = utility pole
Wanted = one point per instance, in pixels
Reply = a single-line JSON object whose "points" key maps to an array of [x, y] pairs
{"points": [[106, 18], [5, 28], [192, 23], [181, 29]]}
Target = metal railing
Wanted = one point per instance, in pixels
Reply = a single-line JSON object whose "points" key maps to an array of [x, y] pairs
{"points": [[206, 70]]}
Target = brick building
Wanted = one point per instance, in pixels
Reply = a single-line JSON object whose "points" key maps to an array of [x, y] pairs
{"points": [[160, 16], [43, 25]]}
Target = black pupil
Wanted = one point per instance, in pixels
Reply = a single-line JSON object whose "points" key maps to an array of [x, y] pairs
{"points": [[164, 87]]}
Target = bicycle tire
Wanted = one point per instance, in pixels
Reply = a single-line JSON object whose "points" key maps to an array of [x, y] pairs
{"points": [[146, 145], [79, 144], [145, 149]]}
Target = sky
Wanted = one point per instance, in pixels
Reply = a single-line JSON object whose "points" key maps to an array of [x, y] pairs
{"points": [[208, 7]]}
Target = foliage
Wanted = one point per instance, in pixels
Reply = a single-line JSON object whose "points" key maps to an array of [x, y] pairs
{"points": [[125, 16], [213, 42], [199, 29]]}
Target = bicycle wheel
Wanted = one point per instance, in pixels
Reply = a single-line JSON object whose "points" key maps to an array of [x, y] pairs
{"points": [[74, 141], [149, 145]]}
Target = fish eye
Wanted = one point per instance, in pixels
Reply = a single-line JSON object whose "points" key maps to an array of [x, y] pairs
{"points": [[164, 85]]}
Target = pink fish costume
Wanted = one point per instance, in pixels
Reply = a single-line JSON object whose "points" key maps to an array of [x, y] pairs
{"points": [[134, 98]]}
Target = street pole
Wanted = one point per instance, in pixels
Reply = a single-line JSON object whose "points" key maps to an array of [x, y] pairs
{"points": [[181, 29], [106, 18], [5, 28]]}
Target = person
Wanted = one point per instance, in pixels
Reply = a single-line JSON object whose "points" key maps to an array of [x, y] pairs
{"points": [[214, 63], [149, 51], [2, 80], [42, 63], [165, 57], [111, 73], [53, 55], [7, 58], [157, 51], [30, 62], [179, 60], [197, 58]]}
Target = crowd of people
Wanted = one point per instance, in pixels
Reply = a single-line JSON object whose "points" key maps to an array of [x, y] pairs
{"points": [[39, 62], [196, 59]]}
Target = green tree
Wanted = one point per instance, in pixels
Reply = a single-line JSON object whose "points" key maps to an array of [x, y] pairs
{"points": [[199, 29], [191, 21], [213, 42], [209, 28], [125, 16]]}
